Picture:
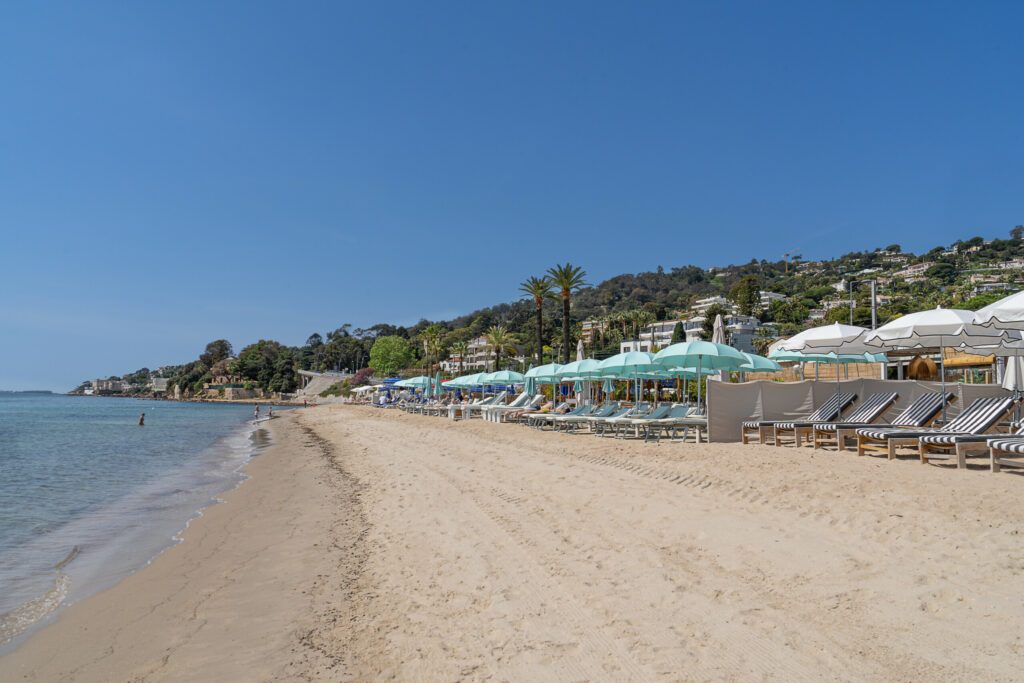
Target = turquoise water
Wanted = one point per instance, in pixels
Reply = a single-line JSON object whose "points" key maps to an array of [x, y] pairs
{"points": [[87, 496]]}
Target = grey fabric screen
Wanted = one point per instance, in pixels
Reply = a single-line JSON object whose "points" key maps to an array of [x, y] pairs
{"points": [[730, 404]]}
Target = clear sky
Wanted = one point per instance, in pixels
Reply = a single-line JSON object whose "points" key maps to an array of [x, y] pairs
{"points": [[175, 172]]}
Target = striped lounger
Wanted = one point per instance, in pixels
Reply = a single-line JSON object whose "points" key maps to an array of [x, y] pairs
{"points": [[869, 411], [803, 428], [977, 418], [947, 446], [921, 412], [1006, 452], [826, 412]]}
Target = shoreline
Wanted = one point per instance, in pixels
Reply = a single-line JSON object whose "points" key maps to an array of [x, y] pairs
{"points": [[370, 544], [109, 563], [231, 584]]}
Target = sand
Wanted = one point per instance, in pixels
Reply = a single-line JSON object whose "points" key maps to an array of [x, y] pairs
{"points": [[374, 545]]}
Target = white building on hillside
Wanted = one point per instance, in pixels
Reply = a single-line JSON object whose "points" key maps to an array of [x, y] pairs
{"points": [[659, 334], [702, 305], [768, 297]]}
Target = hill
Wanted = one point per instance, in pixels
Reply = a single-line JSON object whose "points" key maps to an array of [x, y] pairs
{"points": [[967, 274]]}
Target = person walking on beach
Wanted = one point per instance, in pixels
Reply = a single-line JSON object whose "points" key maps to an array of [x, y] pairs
{"points": [[142, 419], [270, 412]]}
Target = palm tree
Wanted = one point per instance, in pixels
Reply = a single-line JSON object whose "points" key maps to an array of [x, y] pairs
{"points": [[501, 341], [640, 319], [460, 349], [431, 340], [567, 279], [538, 288]]}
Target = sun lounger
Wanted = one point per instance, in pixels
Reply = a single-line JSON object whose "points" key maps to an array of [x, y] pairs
{"points": [[572, 422], [601, 426], [530, 418], [1006, 452], [457, 410], [826, 412], [868, 412], [977, 418], [621, 425], [478, 408], [543, 421], [491, 412], [920, 413], [948, 446], [680, 416], [539, 405], [831, 410]]}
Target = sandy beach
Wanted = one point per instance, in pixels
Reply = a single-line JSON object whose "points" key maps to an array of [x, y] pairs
{"points": [[375, 545]]}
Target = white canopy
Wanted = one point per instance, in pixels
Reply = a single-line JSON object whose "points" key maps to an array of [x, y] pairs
{"points": [[935, 327], [823, 339], [1006, 314]]}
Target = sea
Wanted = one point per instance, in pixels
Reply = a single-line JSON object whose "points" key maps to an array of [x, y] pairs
{"points": [[87, 496]]}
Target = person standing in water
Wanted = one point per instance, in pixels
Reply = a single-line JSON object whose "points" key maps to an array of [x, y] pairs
{"points": [[256, 413], [270, 412], [142, 419]]}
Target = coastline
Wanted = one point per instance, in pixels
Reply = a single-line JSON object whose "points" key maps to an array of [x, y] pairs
{"points": [[232, 596], [369, 544]]}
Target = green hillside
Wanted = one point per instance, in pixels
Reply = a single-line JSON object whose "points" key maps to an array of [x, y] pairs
{"points": [[968, 274]]}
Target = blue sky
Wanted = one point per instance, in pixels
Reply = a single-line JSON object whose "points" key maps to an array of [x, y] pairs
{"points": [[171, 173]]}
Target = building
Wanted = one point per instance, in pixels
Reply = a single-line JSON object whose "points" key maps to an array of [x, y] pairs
{"points": [[702, 305], [659, 335], [107, 386], [915, 271], [158, 385], [1015, 264], [816, 314], [634, 345], [480, 357], [985, 287], [740, 330], [589, 329], [768, 297]]}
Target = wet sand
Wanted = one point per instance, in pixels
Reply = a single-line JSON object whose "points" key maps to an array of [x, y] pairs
{"points": [[374, 545]]}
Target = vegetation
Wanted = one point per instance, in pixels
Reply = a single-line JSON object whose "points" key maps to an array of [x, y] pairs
{"points": [[500, 341], [960, 275], [538, 289], [567, 279], [390, 354]]}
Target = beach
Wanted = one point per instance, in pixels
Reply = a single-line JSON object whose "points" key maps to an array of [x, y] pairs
{"points": [[375, 545]]}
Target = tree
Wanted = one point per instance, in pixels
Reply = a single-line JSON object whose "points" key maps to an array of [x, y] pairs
{"points": [[943, 272], [567, 279], [500, 341], [708, 328], [389, 354], [639, 319], [538, 288], [1017, 232], [314, 340], [432, 345], [678, 333], [216, 351], [746, 293], [460, 349]]}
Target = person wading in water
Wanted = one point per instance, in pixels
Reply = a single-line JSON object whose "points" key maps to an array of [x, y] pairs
{"points": [[142, 419]]}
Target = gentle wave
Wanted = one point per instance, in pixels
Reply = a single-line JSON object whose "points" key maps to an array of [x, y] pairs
{"points": [[106, 499]]}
